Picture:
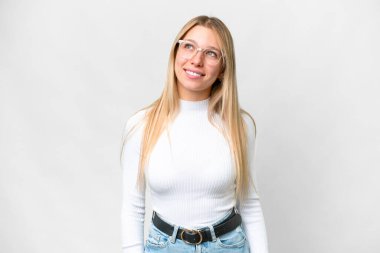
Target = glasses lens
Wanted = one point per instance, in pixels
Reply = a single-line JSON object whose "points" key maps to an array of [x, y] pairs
{"points": [[212, 56], [187, 49]]}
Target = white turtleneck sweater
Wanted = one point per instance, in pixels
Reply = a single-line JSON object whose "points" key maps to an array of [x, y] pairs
{"points": [[191, 177]]}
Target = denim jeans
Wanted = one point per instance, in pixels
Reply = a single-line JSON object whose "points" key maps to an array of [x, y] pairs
{"points": [[231, 242]]}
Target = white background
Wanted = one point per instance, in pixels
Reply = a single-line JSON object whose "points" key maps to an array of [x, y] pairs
{"points": [[72, 72]]}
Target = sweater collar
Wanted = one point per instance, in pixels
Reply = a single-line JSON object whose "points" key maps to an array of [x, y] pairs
{"points": [[199, 105]]}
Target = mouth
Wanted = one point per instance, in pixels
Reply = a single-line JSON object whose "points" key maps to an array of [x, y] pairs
{"points": [[194, 73]]}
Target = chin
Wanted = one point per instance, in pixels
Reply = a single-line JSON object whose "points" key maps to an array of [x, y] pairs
{"points": [[195, 88]]}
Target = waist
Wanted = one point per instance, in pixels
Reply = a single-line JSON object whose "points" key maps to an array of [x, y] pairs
{"points": [[196, 236]]}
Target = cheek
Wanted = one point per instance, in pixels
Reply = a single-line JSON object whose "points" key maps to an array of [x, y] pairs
{"points": [[178, 63], [215, 72], [176, 68]]}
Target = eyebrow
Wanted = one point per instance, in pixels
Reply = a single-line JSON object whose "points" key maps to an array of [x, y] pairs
{"points": [[211, 47]]}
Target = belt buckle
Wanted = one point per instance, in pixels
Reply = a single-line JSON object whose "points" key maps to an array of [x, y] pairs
{"points": [[192, 232]]}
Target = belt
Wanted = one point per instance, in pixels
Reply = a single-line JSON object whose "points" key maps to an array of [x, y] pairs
{"points": [[197, 236]]}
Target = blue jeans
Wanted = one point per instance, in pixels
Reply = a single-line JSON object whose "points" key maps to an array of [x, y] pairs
{"points": [[231, 242]]}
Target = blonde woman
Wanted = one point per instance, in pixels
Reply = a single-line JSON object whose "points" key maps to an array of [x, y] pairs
{"points": [[194, 148]]}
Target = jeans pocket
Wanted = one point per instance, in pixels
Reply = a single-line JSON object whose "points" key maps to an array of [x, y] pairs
{"points": [[233, 239], [156, 238]]}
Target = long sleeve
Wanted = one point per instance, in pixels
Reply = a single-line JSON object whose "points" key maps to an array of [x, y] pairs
{"points": [[250, 208], [133, 200]]}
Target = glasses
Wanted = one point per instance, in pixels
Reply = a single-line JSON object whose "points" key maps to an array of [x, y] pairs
{"points": [[188, 49]]}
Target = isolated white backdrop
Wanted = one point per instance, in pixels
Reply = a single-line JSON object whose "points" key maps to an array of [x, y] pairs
{"points": [[72, 72]]}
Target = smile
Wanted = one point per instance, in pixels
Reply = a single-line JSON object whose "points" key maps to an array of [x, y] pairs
{"points": [[193, 73]]}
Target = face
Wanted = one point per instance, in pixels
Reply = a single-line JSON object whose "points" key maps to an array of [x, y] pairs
{"points": [[195, 75]]}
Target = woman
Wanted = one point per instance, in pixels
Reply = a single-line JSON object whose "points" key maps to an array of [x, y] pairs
{"points": [[194, 148]]}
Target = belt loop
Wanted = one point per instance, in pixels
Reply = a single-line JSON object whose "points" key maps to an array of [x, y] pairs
{"points": [[173, 237], [212, 231]]}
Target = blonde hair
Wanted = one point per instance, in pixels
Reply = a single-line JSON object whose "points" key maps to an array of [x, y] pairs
{"points": [[223, 101]]}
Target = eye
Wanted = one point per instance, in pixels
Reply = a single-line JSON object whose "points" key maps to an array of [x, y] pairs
{"points": [[188, 46], [212, 54]]}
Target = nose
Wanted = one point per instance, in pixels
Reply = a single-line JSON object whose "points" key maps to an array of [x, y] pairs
{"points": [[197, 58]]}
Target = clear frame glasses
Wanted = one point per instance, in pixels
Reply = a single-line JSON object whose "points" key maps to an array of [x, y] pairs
{"points": [[188, 49]]}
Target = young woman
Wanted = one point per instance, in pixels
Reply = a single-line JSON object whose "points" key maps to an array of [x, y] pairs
{"points": [[194, 148]]}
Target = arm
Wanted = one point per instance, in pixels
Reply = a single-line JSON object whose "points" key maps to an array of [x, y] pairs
{"points": [[250, 208], [133, 200]]}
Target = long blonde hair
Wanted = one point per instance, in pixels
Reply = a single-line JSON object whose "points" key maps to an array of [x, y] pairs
{"points": [[223, 101]]}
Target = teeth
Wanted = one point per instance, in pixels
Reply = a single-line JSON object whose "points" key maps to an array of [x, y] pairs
{"points": [[192, 73]]}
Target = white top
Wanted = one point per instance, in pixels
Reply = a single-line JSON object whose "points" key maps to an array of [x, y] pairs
{"points": [[191, 177]]}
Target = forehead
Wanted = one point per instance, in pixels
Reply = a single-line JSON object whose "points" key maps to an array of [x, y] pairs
{"points": [[203, 36]]}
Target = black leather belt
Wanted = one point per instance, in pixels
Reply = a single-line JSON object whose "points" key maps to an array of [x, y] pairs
{"points": [[197, 236]]}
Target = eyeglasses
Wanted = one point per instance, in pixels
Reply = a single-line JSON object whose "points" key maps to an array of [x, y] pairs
{"points": [[188, 49]]}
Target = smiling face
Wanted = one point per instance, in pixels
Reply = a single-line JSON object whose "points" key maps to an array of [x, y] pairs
{"points": [[194, 75]]}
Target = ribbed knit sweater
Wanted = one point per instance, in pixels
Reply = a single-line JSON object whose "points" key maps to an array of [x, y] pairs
{"points": [[191, 178]]}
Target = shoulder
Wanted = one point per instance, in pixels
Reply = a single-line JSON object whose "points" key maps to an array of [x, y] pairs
{"points": [[249, 122], [135, 121], [136, 117]]}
